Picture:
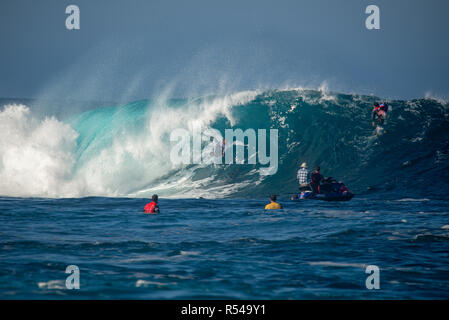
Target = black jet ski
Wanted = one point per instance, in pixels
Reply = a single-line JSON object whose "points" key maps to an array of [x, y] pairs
{"points": [[337, 196], [330, 190]]}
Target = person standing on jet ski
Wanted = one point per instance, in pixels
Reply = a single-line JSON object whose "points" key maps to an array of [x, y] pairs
{"points": [[303, 177], [316, 179], [380, 111]]}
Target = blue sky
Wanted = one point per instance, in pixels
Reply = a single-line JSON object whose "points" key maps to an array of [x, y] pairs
{"points": [[127, 50]]}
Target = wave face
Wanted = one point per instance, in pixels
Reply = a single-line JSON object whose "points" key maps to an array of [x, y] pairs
{"points": [[125, 150]]}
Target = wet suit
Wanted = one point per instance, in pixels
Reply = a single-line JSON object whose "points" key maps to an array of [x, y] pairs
{"points": [[151, 207], [315, 182]]}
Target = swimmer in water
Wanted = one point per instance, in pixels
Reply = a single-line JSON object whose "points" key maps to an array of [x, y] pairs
{"points": [[152, 207], [273, 205]]}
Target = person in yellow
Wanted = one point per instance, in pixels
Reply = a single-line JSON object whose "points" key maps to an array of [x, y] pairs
{"points": [[273, 205]]}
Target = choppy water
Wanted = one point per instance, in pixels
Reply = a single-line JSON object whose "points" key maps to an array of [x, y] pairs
{"points": [[230, 248]]}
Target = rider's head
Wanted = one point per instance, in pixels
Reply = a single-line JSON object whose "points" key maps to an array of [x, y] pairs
{"points": [[376, 104], [154, 197], [317, 168], [273, 197]]}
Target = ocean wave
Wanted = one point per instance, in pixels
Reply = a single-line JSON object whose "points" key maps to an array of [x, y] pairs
{"points": [[412, 200], [52, 285], [125, 150], [428, 237]]}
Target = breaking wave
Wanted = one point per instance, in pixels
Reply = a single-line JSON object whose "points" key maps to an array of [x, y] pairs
{"points": [[125, 150]]}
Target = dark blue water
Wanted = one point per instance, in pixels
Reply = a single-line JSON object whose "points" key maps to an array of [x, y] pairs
{"points": [[224, 249], [53, 161]]}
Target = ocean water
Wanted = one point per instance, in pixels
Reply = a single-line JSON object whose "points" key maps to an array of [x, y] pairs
{"points": [[224, 249], [73, 183]]}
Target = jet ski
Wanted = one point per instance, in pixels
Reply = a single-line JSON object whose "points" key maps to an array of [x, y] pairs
{"points": [[334, 196], [330, 190]]}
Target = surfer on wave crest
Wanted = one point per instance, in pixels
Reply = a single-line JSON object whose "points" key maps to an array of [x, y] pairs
{"points": [[380, 112]]}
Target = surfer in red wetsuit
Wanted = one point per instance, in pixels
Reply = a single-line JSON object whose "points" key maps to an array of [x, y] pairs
{"points": [[152, 207]]}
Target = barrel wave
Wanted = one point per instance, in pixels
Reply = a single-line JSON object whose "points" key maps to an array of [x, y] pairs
{"points": [[125, 150]]}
